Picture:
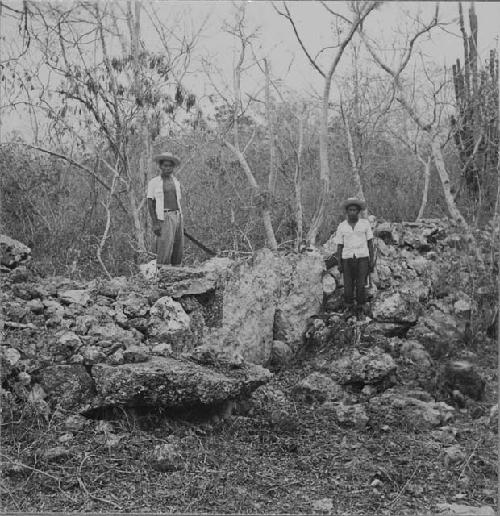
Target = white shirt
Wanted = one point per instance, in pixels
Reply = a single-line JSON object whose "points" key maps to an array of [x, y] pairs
{"points": [[155, 191], [355, 241]]}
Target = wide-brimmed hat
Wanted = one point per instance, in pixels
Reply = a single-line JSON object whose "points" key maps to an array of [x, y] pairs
{"points": [[353, 200], [167, 156]]}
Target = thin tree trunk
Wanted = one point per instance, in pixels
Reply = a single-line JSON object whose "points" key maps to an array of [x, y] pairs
{"points": [[297, 183], [437, 154], [358, 187], [270, 132], [263, 197], [427, 175]]}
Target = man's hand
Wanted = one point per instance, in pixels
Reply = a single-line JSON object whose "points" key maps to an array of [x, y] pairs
{"points": [[371, 267], [157, 227]]}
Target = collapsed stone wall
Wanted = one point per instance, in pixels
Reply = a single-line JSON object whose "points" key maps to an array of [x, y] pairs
{"points": [[411, 360], [193, 329]]}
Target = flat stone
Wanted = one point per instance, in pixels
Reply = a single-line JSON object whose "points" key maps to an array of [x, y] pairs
{"points": [[454, 509], [181, 281], [169, 382], [76, 296]]}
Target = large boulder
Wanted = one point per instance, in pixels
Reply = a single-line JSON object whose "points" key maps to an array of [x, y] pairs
{"points": [[13, 253], [171, 383], [269, 297], [438, 331]]}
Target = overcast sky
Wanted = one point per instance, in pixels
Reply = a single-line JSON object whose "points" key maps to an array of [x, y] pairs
{"points": [[389, 25]]}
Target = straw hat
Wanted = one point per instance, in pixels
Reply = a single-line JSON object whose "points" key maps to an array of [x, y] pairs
{"points": [[353, 200], [167, 156]]}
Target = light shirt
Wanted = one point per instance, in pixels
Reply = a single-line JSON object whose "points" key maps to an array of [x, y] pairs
{"points": [[355, 241], [155, 191]]}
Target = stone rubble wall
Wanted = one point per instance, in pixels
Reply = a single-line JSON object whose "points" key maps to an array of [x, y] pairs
{"points": [[60, 334]]}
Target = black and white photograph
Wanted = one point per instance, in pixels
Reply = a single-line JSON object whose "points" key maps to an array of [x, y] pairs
{"points": [[249, 257]]}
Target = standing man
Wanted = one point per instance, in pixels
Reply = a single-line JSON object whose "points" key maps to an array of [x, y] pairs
{"points": [[354, 239], [164, 206]]}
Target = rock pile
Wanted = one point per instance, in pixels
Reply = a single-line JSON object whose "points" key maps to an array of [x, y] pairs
{"points": [[390, 368], [190, 336]]}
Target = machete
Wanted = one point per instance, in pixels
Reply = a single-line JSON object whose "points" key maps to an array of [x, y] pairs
{"points": [[199, 244]]}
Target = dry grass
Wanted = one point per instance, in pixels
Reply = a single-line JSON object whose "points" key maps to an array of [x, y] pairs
{"points": [[273, 461]]}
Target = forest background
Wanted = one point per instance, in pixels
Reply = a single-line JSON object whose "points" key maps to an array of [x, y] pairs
{"points": [[277, 110]]}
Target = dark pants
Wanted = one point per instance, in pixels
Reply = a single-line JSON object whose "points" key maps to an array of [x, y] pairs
{"points": [[355, 273]]}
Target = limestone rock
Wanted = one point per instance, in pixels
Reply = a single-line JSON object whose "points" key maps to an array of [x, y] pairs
{"points": [[281, 354], [373, 367], [454, 454], [350, 416], [112, 332], [13, 253], [167, 456], [181, 281], [134, 354], [133, 304], [111, 288], [410, 409], [169, 382], [393, 307], [93, 355], [256, 290], [68, 343], [75, 423], [36, 306], [438, 331], [77, 296], [415, 351], [116, 358], [164, 350], [168, 321], [69, 386], [317, 387], [454, 509], [9, 359], [213, 356]]}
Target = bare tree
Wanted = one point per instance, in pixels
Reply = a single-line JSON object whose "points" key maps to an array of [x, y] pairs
{"points": [[361, 11], [263, 195], [95, 94], [433, 128]]}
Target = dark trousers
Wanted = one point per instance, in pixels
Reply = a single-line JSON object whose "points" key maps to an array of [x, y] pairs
{"points": [[355, 273]]}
